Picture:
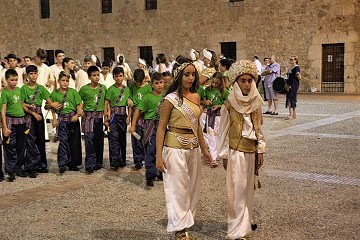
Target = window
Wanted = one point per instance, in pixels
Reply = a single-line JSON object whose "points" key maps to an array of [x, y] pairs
{"points": [[45, 8], [109, 54], [50, 58], [228, 49], [333, 67], [106, 6], [150, 4], [146, 53]]}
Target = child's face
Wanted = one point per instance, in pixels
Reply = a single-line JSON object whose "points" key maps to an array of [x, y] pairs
{"points": [[119, 78], [215, 83], [245, 81], [139, 84], [28, 61], [158, 85], [167, 81], [86, 65], [60, 57], [12, 81], [189, 77], [33, 76], [70, 65], [12, 63], [64, 82], [105, 69], [222, 68], [95, 77]]}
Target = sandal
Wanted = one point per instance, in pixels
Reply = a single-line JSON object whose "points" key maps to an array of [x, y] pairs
{"points": [[214, 164], [267, 112], [289, 118], [183, 235], [274, 113]]}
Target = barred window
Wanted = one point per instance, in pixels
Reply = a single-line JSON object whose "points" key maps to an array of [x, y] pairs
{"points": [[150, 4], [106, 6], [45, 8]]}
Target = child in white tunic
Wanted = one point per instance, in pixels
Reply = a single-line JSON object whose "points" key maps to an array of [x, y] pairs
{"points": [[241, 120]]}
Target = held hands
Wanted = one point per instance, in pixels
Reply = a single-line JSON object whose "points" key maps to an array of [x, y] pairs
{"points": [[207, 102], [160, 164], [130, 102]]}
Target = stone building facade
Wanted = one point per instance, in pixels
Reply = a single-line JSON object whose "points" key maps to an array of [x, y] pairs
{"points": [[324, 34]]}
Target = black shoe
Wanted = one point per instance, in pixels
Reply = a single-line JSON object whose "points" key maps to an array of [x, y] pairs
{"points": [[20, 172], [32, 174], [11, 177], [43, 170], [159, 177], [89, 171], [115, 168], [97, 168], [74, 169], [150, 183], [267, 112], [274, 113], [253, 226], [136, 168], [62, 169]]}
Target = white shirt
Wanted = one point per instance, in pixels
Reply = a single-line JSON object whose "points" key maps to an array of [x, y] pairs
{"points": [[108, 81], [163, 67], [258, 66], [55, 71]]}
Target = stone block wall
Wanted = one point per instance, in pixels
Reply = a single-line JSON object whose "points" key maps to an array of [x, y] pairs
{"points": [[261, 28]]}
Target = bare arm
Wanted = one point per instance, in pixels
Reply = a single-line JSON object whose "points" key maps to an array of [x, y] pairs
{"points": [[165, 112], [134, 120], [6, 131]]}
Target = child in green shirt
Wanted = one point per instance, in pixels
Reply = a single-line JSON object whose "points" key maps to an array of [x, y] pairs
{"points": [[93, 98], [32, 96], [117, 119], [150, 107], [13, 125], [138, 89], [67, 124]]}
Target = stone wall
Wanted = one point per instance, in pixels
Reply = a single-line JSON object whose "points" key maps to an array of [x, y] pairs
{"points": [[258, 27]]}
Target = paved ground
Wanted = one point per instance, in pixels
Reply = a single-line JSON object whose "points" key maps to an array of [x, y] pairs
{"points": [[310, 188]]}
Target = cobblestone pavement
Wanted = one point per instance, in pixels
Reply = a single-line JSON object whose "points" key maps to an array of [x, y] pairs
{"points": [[310, 187]]}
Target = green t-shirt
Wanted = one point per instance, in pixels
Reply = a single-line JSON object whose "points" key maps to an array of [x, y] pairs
{"points": [[27, 93], [112, 94], [72, 100], [149, 105], [201, 92], [137, 93], [12, 99], [215, 96], [89, 97]]}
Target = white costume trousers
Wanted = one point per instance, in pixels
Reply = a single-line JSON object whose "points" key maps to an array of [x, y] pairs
{"points": [[240, 190], [212, 138], [182, 186]]}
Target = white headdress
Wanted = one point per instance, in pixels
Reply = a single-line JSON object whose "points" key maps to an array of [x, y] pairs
{"points": [[142, 61], [207, 54], [192, 54]]}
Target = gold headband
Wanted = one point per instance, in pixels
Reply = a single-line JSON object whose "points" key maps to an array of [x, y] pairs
{"points": [[180, 68]]}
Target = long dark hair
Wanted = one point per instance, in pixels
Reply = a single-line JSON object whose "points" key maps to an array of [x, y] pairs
{"points": [[176, 84], [72, 72]]}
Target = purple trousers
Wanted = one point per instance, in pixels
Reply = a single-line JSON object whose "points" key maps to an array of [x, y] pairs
{"points": [[14, 150]]}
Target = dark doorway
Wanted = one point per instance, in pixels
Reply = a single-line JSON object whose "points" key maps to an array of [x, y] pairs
{"points": [[332, 67]]}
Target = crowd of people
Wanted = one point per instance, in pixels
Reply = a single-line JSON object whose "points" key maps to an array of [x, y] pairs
{"points": [[179, 112]]}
